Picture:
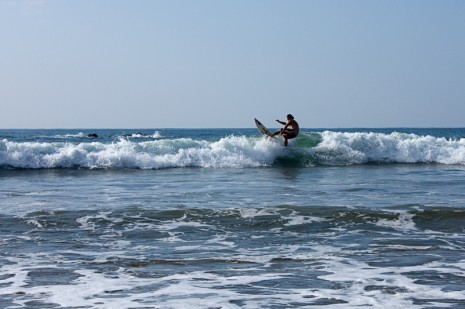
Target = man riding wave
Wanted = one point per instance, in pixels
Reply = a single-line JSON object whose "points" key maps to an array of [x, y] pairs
{"points": [[290, 130]]}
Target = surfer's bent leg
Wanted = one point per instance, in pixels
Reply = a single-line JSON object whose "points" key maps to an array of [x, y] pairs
{"points": [[276, 133], [288, 135]]}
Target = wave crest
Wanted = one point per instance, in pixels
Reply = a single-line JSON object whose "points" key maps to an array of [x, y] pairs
{"points": [[183, 152], [309, 149], [360, 148]]}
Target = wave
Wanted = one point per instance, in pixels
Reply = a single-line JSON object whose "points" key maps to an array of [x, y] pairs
{"points": [[182, 152], [155, 135], [406, 217], [309, 149], [360, 148], [81, 135]]}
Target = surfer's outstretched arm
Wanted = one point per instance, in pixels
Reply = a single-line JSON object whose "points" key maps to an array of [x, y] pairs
{"points": [[280, 131]]}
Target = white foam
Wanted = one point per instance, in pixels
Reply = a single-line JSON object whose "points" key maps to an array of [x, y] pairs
{"points": [[88, 222], [295, 219], [172, 225], [356, 148], [255, 212], [155, 135], [405, 222], [359, 275], [77, 135], [354, 283], [230, 151]]}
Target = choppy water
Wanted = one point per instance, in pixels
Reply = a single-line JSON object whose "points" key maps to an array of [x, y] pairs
{"points": [[227, 219]]}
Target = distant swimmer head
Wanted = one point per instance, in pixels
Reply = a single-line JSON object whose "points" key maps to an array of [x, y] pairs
{"points": [[289, 116]]}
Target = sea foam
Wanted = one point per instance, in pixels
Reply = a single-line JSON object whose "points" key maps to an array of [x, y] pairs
{"points": [[359, 148], [165, 153]]}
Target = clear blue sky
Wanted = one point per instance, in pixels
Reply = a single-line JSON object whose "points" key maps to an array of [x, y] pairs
{"points": [[210, 63]]}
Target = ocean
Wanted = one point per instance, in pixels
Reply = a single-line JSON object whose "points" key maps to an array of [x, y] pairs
{"points": [[224, 218]]}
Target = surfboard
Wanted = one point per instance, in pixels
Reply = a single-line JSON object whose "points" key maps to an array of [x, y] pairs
{"points": [[263, 130]]}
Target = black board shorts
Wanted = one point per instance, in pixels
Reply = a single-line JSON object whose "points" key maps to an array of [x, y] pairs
{"points": [[290, 133]]}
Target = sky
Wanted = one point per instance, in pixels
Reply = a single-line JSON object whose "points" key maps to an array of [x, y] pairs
{"points": [[220, 63]]}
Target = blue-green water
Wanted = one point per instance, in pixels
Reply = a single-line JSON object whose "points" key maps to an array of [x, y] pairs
{"points": [[215, 218]]}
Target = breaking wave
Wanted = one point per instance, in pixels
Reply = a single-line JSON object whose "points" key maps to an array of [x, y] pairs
{"points": [[361, 148], [309, 149]]}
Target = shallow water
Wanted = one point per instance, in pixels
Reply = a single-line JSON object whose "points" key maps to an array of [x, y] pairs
{"points": [[264, 237]]}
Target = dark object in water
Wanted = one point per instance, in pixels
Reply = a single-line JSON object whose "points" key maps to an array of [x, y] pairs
{"points": [[92, 135]]}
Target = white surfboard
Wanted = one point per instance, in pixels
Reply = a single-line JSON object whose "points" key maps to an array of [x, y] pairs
{"points": [[263, 130]]}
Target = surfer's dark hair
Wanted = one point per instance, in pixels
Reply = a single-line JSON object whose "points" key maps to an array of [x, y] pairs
{"points": [[289, 116]]}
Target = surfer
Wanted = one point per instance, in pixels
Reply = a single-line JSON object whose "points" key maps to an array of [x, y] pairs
{"points": [[290, 130]]}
